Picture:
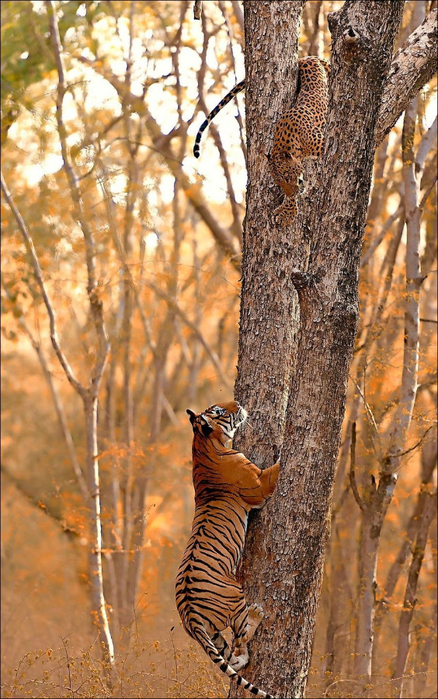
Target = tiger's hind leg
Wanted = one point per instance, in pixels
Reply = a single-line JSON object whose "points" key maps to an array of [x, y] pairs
{"points": [[244, 629], [222, 646]]}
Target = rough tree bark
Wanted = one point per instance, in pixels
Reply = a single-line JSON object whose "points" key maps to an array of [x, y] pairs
{"points": [[412, 67], [319, 256]]}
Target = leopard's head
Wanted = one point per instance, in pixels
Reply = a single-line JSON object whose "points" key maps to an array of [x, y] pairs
{"points": [[286, 171]]}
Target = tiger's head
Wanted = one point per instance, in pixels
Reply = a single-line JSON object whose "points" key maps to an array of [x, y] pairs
{"points": [[219, 421]]}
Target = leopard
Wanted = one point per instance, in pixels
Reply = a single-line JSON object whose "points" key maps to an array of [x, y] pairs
{"points": [[298, 134]]}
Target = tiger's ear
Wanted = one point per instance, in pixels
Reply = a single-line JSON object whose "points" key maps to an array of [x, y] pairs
{"points": [[191, 415], [205, 426]]}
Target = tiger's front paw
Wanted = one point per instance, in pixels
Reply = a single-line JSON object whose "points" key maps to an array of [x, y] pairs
{"points": [[255, 615]]}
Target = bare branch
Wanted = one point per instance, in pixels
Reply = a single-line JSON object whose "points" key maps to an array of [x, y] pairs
{"points": [[426, 143], [38, 503], [197, 9], [122, 256], [59, 408], [211, 353], [339, 505], [92, 286], [378, 239], [315, 41], [238, 12], [412, 67], [428, 465], [399, 454], [427, 192], [352, 473], [409, 380], [409, 601], [37, 269], [162, 144], [370, 416]]}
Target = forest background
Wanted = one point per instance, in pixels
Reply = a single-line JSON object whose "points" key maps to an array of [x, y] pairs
{"points": [[165, 231]]}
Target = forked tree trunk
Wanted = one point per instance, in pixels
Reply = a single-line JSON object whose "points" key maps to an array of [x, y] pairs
{"points": [[295, 391]]}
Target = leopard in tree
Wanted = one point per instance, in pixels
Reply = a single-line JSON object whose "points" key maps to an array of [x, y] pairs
{"points": [[299, 133]]}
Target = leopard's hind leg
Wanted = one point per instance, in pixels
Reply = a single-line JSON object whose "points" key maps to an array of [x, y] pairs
{"points": [[286, 212], [312, 141]]}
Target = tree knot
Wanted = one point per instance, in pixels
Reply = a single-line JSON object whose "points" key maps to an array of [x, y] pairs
{"points": [[303, 280], [351, 36]]}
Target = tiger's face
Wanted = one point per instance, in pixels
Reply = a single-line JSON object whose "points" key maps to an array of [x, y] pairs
{"points": [[220, 421]]}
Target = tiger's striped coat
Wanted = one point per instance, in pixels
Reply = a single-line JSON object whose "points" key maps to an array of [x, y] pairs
{"points": [[227, 486]]}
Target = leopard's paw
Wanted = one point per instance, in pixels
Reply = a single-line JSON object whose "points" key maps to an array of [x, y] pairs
{"points": [[286, 212]]}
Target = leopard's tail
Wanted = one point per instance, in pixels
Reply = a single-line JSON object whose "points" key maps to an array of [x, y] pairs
{"points": [[235, 91], [200, 634]]}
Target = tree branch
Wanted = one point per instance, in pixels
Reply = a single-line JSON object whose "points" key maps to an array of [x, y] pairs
{"points": [[184, 317], [427, 142], [92, 286], [410, 600], [238, 12], [38, 503], [412, 67], [409, 380], [38, 274], [399, 454], [197, 9], [352, 473], [161, 143], [59, 408]]}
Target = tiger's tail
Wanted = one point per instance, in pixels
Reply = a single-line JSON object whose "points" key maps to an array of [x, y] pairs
{"points": [[201, 635], [235, 91]]}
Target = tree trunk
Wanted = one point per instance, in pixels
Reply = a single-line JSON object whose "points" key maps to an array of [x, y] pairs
{"points": [[269, 312], [428, 463], [411, 592], [95, 554], [423, 677], [285, 547], [381, 496]]}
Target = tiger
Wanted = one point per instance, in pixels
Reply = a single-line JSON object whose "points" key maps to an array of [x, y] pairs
{"points": [[227, 486]]}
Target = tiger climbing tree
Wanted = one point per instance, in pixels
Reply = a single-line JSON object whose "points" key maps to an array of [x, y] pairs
{"points": [[299, 301]]}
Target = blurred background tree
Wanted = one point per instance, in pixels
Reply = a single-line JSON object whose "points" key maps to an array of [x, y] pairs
{"points": [[167, 233]]}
